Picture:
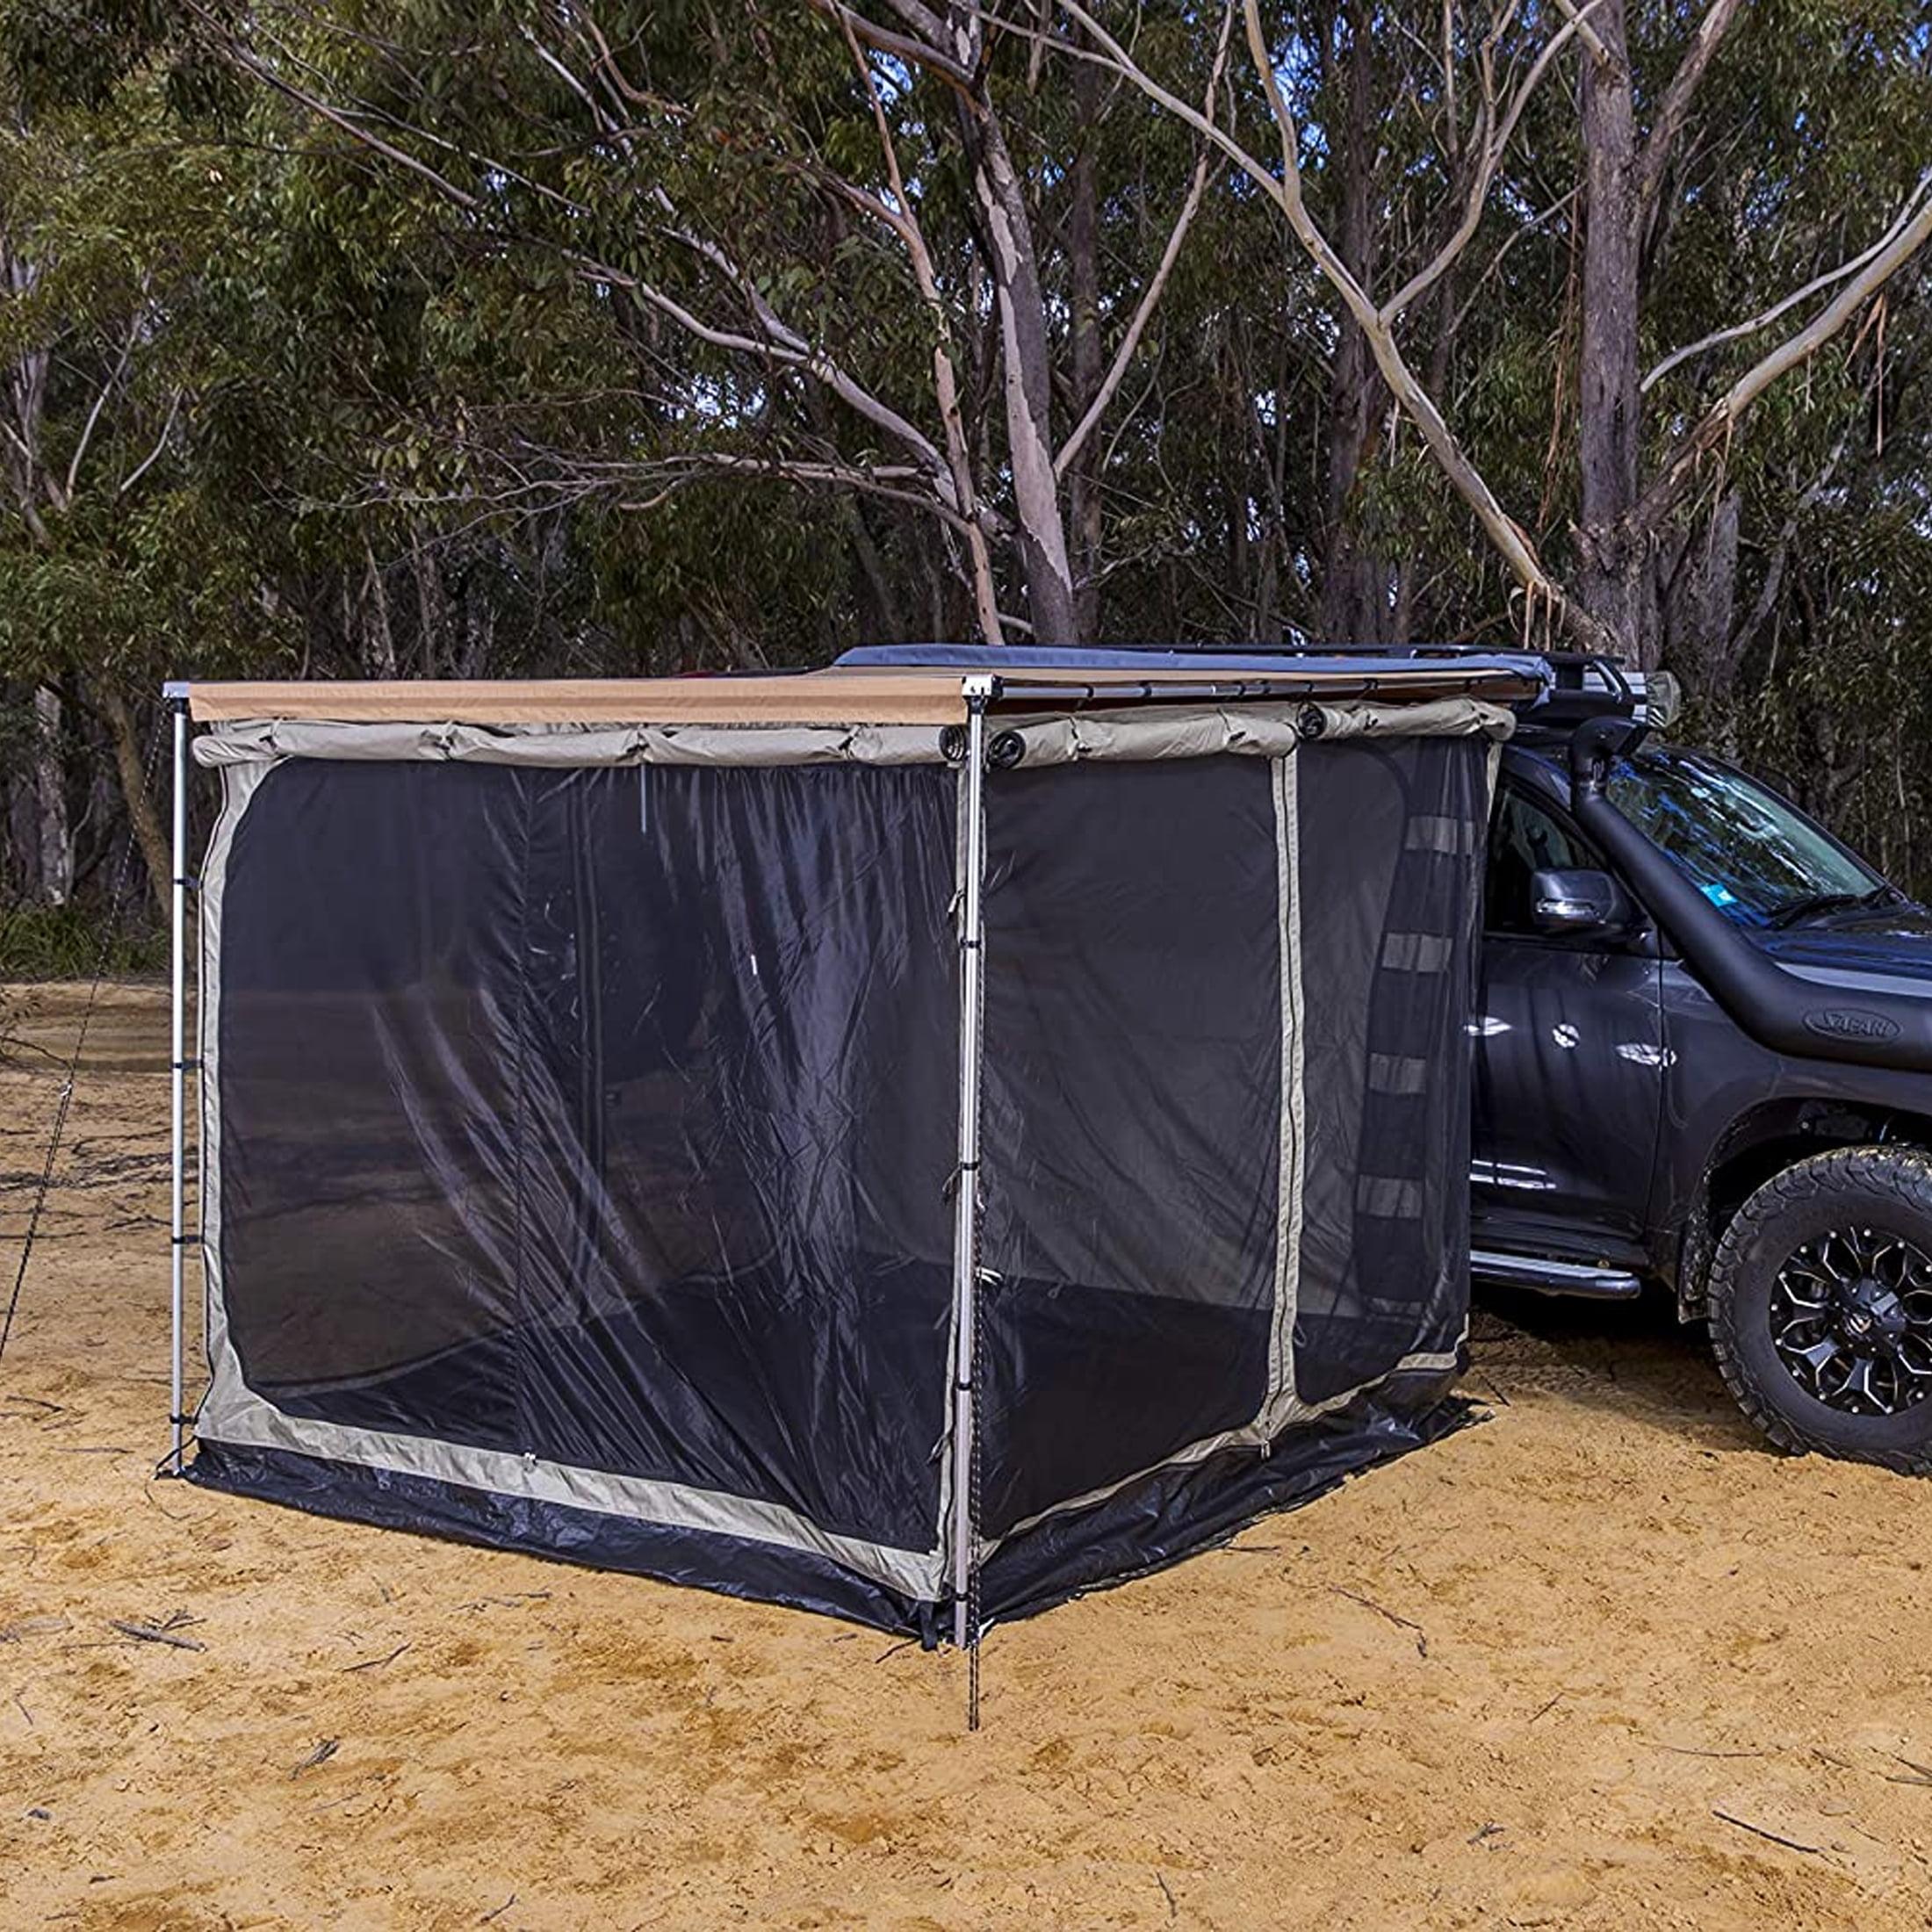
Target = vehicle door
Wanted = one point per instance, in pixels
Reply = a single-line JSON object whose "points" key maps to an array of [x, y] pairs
{"points": [[1569, 1056]]}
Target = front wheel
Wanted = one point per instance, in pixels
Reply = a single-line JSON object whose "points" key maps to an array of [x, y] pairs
{"points": [[1820, 1306]]}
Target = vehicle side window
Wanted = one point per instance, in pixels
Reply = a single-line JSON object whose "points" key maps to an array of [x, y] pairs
{"points": [[1524, 839]]}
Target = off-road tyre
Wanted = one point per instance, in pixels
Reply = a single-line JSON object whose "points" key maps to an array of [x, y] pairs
{"points": [[1885, 1190]]}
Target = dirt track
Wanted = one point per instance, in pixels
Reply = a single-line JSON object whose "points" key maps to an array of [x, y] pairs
{"points": [[1585, 1666]]}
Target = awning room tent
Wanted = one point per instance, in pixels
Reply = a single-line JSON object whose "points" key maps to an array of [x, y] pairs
{"points": [[883, 1139]]}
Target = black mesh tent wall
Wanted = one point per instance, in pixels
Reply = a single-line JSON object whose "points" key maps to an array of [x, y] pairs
{"points": [[583, 1109]]}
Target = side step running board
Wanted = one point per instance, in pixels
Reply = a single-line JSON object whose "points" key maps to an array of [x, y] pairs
{"points": [[1522, 1270]]}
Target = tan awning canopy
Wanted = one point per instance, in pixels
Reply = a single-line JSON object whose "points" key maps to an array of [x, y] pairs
{"points": [[912, 695]]}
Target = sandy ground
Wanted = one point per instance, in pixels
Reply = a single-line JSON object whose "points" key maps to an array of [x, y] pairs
{"points": [[1603, 1661]]}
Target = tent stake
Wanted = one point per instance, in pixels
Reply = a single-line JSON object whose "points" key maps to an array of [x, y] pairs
{"points": [[177, 702], [978, 692]]}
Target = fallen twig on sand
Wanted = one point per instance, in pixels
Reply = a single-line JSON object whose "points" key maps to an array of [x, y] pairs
{"points": [[13, 1043], [1922, 1774], [34, 1626], [1173, 1910], [168, 1633], [375, 1663], [1692, 1750], [1764, 1831], [320, 1755], [1405, 1622], [499, 1911], [173, 1516]]}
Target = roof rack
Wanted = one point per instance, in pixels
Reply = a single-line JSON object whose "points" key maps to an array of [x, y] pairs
{"points": [[1565, 687], [1575, 685]]}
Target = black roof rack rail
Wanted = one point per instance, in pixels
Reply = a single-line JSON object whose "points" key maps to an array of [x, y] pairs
{"points": [[1583, 684]]}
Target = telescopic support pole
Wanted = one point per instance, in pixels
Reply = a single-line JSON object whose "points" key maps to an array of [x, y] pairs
{"points": [[176, 696], [978, 693]]}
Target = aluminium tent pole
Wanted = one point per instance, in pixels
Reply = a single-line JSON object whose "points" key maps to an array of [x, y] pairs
{"points": [[176, 696], [978, 693]]}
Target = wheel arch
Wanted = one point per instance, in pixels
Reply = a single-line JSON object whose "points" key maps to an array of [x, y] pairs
{"points": [[1764, 1140]]}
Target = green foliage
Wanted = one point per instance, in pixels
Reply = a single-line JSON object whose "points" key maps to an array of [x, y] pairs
{"points": [[69, 942], [354, 420]]}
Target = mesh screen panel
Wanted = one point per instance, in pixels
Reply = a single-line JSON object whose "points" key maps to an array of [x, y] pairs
{"points": [[1133, 1103], [602, 1115]]}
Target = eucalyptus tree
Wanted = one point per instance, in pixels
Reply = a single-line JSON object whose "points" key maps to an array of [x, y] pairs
{"points": [[108, 552], [811, 239], [1830, 205]]}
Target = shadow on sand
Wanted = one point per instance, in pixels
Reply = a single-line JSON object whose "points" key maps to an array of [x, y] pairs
{"points": [[1632, 1359]]}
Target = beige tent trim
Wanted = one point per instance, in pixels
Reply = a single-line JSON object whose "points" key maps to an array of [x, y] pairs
{"points": [[1122, 733], [855, 695]]}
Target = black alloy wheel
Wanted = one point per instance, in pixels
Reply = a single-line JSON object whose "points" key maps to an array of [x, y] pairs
{"points": [[1820, 1305], [1851, 1320]]}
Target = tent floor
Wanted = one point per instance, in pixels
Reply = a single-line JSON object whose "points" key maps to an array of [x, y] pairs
{"points": [[1145, 1527], [752, 1389]]}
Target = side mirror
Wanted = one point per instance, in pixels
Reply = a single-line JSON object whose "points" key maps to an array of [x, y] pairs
{"points": [[1579, 901]]}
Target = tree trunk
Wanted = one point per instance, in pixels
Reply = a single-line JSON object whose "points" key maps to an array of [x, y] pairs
{"points": [[1611, 581], [1697, 605], [1088, 361], [19, 878], [378, 652], [434, 648], [1354, 583], [1027, 382], [54, 842], [888, 620], [156, 851]]}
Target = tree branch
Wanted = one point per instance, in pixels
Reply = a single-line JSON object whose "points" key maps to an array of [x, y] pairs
{"points": [[1674, 108], [1494, 148], [874, 482], [94, 414], [1577, 17], [921, 53], [19, 442], [807, 360], [1511, 541], [1740, 639], [778, 344], [904, 223], [1103, 397], [153, 456], [578, 478], [1531, 227], [614, 76], [1717, 338], [1905, 242], [928, 25], [314, 104]]}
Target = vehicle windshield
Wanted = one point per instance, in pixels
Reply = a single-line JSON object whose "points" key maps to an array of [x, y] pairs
{"points": [[1758, 860]]}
